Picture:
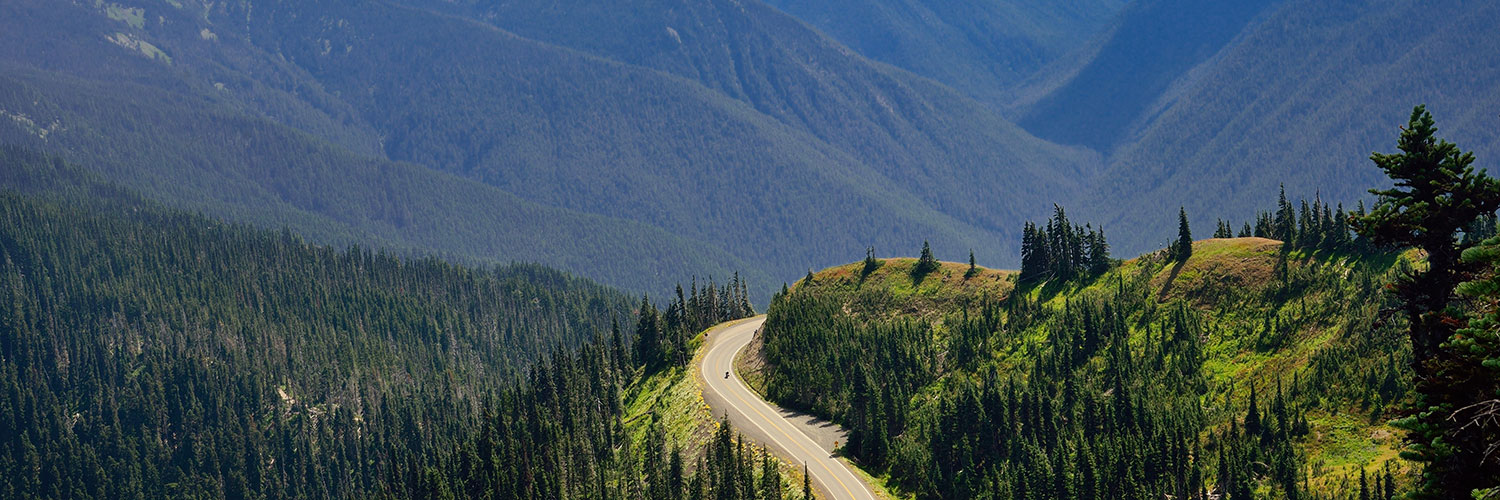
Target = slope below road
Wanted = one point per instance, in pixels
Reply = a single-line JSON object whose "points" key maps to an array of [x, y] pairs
{"points": [[802, 439]]}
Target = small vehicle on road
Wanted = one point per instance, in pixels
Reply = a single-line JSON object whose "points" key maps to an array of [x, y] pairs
{"points": [[726, 374]]}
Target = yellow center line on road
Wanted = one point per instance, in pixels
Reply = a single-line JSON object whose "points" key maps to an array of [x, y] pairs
{"points": [[779, 428]]}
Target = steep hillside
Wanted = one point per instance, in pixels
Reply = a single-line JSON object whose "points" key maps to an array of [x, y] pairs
{"points": [[981, 48], [1303, 99], [948, 151], [1094, 97], [150, 353], [704, 151], [1244, 368], [1213, 105], [230, 129], [194, 152], [606, 138]]}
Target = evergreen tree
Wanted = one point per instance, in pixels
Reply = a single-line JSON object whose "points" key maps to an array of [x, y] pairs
{"points": [[1183, 248], [770, 478], [1364, 485], [926, 263], [1252, 416], [1062, 250], [1285, 223], [1224, 230], [807, 491], [650, 351], [973, 269], [1098, 252], [1437, 193]]}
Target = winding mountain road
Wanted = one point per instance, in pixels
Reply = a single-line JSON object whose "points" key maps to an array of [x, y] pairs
{"points": [[795, 436]]}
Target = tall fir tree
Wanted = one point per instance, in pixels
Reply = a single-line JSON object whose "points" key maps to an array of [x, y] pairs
{"points": [[926, 263], [1437, 193], [1184, 245], [973, 268]]}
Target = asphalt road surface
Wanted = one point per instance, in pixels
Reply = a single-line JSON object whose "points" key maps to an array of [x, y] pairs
{"points": [[797, 437]]}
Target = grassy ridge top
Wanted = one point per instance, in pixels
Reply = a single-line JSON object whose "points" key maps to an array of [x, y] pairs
{"points": [[1301, 328], [892, 290]]}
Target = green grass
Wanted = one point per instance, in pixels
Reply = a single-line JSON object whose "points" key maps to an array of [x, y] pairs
{"points": [[1228, 281], [880, 484], [674, 398], [135, 17], [890, 290]]}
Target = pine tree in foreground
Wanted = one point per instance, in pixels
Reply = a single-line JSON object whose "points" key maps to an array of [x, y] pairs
{"points": [[1437, 194], [807, 492]]}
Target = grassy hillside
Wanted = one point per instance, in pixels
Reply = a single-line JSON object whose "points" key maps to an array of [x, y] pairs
{"points": [[981, 48], [889, 291], [1152, 362]]}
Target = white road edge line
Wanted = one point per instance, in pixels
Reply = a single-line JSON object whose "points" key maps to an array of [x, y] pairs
{"points": [[739, 389]]}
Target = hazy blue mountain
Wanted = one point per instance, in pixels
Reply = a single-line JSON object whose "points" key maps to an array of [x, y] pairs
{"points": [[639, 141], [1093, 99], [204, 135], [952, 153], [753, 129], [979, 47], [1300, 95], [203, 157]]}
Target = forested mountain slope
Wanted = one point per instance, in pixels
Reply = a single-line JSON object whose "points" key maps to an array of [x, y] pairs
{"points": [[981, 48], [581, 132], [288, 156], [1303, 99], [1212, 105], [1253, 368], [151, 353], [698, 148], [914, 137], [1093, 98]]}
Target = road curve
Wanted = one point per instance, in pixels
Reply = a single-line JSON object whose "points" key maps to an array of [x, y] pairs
{"points": [[789, 434]]}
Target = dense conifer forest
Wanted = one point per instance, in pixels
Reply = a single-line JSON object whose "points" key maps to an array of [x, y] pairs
{"points": [[1316, 353], [370, 248], [150, 353], [1216, 374]]}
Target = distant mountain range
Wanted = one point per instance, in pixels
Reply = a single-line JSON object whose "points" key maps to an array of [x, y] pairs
{"points": [[982, 48], [1294, 93], [641, 141]]}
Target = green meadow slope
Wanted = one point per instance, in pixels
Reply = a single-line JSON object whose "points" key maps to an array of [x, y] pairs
{"points": [[1144, 373]]}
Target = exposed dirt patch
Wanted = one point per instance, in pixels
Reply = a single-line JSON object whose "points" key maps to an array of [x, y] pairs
{"points": [[751, 364], [1219, 264]]}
